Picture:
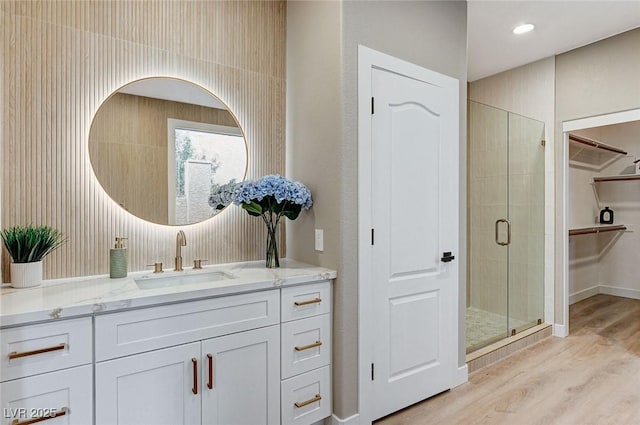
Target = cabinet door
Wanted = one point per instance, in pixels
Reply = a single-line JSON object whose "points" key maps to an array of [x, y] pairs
{"points": [[244, 375], [154, 388], [62, 397]]}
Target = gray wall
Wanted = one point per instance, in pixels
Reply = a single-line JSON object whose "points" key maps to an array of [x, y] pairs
{"points": [[597, 79], [322, 43]]}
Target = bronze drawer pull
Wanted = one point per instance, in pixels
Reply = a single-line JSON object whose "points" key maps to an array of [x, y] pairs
{"points": [[194, 361], [313, 301], [305, 403], [17, 355], [63, 411], [210, 384], [307, 347]]}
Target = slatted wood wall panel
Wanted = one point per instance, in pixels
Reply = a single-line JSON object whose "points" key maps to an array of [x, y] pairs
{"points": [[60, 60]]}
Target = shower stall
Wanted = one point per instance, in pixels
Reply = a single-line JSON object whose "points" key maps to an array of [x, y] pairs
{"points": [[506, 174]]}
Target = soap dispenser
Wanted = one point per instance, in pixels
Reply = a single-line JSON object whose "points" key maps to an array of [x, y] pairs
{"points": [[606, 216], [118, 259]]}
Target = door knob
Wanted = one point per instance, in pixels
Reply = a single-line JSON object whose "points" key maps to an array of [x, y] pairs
{"points": [[447, 257]]}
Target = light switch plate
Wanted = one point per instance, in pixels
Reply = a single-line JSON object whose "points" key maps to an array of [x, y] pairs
{"points": [[319, 240]]}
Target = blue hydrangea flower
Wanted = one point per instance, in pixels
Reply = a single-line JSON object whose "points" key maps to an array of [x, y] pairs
{"points": [[275, 186], [222, 195]]}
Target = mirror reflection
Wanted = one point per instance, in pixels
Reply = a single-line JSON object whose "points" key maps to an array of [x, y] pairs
{"points": [[161, 146]]}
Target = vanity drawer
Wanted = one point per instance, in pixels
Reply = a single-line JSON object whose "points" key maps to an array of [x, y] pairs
{"points": [[306, 345], [306, 398], [33, 349], [61, 397], [136, 331], [299, 302]]}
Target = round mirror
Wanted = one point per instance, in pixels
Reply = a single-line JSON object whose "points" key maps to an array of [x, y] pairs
{"points": [[160, 147]]}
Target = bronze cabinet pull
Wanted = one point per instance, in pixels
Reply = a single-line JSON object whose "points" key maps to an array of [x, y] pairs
{"points": [[313, 301], [307, 347], [307, 402], [16, 355], [194, 361], [63, 411], [210, 383]]}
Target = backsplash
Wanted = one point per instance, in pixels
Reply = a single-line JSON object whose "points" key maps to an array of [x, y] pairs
{"points": [[61, 60]]}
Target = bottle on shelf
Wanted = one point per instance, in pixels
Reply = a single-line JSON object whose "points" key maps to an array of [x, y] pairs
{"points": [[606, 216]]}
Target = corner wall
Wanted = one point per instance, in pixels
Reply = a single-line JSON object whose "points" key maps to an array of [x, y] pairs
{"points": [[323, 124], [607, 262], [597, 79]]}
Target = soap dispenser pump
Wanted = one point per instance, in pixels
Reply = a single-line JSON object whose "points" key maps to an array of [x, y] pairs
{"points": [[118, 259], [606, 216]]}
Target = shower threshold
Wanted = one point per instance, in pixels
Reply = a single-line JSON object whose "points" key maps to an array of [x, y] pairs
{"points": [[505, 347], [485, 328]]}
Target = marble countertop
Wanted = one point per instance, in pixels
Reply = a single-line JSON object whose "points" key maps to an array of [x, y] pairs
{"points": [[63, 298]]}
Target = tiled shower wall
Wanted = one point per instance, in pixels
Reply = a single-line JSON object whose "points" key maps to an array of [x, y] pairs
{"points": [[506, 181], [61, 59], [530, 91]]}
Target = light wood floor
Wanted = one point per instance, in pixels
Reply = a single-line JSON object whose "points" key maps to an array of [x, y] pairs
{"points": [[590, 377]]}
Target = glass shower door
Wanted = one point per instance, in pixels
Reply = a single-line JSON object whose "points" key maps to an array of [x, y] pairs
{"points": [[487, 290], [506, 224], [526, 214]]}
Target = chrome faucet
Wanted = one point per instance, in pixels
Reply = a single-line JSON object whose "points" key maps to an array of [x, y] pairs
{"points": [[181, 240]]}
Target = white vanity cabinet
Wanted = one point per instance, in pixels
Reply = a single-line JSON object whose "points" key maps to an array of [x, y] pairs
{"points": [[149, 388], [233, 378], [260, 354], [306, 353], [241, 378], [46, 373]]}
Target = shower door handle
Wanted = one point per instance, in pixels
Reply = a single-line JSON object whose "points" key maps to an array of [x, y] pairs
{"points": [[503, 220]]}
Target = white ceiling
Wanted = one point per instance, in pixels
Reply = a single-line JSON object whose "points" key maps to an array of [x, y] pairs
{"points": [[560, 26]]}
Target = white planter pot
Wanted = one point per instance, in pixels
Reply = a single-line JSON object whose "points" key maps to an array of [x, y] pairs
{"points": [[26, 275]]}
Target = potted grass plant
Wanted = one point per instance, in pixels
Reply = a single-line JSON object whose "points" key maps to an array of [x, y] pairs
{"points": [[27, 246]]}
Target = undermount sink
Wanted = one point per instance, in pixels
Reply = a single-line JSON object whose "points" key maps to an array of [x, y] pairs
{"points": [[178, 278]]}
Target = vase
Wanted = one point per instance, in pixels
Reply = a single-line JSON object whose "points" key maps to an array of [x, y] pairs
{"points": [[272, 258], [26, 275]]}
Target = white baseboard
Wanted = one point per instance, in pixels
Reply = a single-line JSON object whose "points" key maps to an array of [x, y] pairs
{"points": [[461, 376], [620, 292], [604, 289], [561, 331], [584, 294], [351, 420]]}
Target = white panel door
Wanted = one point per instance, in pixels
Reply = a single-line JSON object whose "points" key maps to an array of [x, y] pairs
{"points": [[156, 388], [415, 221], [241, 378]]}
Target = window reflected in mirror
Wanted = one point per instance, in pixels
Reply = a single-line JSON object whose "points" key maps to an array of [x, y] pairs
{"points": [[205, 157]]}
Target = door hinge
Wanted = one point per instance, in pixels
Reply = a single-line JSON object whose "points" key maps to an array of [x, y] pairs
{"points": [[372, 107], [372, 372], [372, 236], [543, 142]]}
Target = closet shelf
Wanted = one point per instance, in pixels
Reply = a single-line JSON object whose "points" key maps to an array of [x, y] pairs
{"points": [[597, 229], [623, 177], [596, 144]]}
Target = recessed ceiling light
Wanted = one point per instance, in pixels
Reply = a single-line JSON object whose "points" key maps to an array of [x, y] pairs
{"points": [[521, 29]]}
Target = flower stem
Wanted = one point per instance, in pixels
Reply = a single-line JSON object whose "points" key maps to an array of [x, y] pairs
{"points": [[272, 256]]}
